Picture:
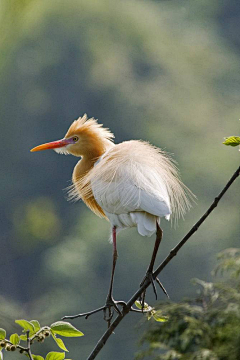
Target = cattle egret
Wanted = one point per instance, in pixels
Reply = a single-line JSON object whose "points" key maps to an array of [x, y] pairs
{"points": [[132, 184]]}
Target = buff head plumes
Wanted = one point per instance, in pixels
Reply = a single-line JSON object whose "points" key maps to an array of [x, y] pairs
{"points": [[90, 137], [85, 137]]}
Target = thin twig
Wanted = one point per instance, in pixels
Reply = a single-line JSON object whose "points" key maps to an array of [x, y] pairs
{"points": [[29, 345], [17, 346], [29, 341], [172, 253]]}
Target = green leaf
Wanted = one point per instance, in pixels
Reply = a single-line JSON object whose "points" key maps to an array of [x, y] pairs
{"points": [[158, 317], [26, 325], [59, 342], [55, 356], [232, 141], [37, 357], [139, 306], [23, 337], [36, 325], [149, 315], [14, 338], [2, 334], [65, 329]]}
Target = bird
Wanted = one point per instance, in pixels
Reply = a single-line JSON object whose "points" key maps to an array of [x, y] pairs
{"points": [[131, 184]]}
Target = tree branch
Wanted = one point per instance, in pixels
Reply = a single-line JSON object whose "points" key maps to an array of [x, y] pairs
{"points": [[29, 345], [102, 341]]}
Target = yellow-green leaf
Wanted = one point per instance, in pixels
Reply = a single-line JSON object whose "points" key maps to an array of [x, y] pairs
{"points": [[139, 305], [160, 318], [55, 356], [149, 315], [59, 342], [26, 325], [232, 141], [65, 329], [14, 338], [37, 357], [2, 334], [36, 325], [23, 337]]}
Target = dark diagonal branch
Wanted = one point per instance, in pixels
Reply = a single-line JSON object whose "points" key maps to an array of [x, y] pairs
{"points": [[172, 253]]}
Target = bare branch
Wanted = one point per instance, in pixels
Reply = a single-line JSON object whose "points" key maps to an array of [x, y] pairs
{"points": [[29, 345], [172, 253]]}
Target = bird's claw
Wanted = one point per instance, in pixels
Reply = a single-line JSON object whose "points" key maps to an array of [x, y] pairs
{"points": [[149, 277], [111, 306], [111, 303], [108, 317]]}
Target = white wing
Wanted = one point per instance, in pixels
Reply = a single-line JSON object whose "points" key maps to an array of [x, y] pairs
{"points": [[125, 193], [135, 176]]}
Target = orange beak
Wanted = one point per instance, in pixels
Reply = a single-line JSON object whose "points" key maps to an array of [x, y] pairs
{"points": [[53, 145]]}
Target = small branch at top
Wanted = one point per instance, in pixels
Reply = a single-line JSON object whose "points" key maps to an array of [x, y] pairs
{"points": [[102, 341]]}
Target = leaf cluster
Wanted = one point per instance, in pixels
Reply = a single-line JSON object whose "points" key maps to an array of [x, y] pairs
{"points": [[207, 327], [151, 312], [232, 141], [32, 331]]}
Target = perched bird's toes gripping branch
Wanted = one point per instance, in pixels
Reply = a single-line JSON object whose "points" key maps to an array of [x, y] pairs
{"points": [[149, 274], [132, 184]]}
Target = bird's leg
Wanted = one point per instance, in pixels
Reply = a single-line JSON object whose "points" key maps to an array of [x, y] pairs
{"points": [[149, 272], [115, 256], [110, 302]]}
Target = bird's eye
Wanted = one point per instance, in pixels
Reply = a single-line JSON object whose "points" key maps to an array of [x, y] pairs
{"points": [[75, 138]]}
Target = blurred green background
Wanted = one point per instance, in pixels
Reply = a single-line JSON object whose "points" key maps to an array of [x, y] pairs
{"points": [[162, 71]]}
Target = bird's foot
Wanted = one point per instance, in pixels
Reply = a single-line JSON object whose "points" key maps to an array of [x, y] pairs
{"points": [[108, 309], [149, 277], [111, 306]]}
